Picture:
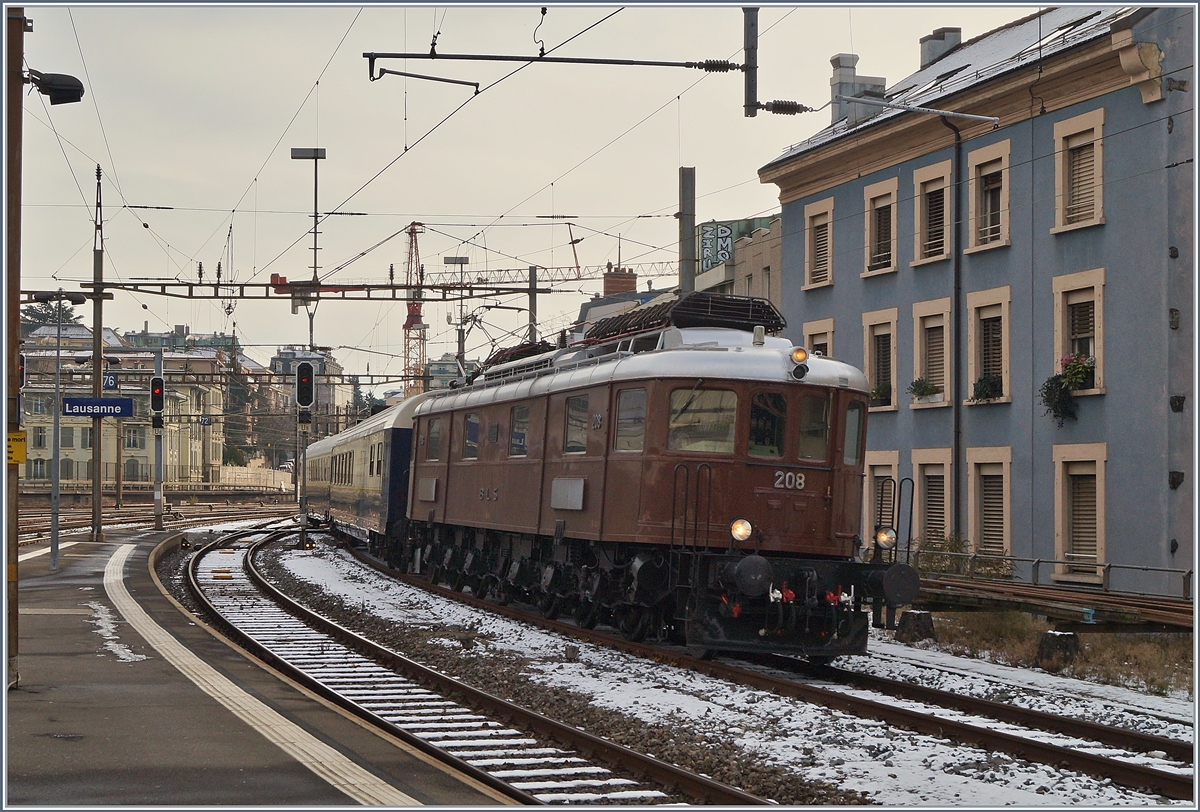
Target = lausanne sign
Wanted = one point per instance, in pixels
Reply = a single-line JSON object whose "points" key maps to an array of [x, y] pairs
{"points": [[98, 407]]}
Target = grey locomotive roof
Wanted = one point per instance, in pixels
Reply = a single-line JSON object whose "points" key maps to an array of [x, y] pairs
{"points": [[399, 416], [713, 353], [980, 60]]}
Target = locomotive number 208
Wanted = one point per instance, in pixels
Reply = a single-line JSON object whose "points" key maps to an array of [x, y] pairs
{"points": [[790, 480]]}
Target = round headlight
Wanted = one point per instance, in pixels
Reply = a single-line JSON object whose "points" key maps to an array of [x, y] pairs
{"points": [[885, 537], [799, 355], [741, 529]]}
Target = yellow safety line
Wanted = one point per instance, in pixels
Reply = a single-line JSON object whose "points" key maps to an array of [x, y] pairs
{"points": [[320, 758]]}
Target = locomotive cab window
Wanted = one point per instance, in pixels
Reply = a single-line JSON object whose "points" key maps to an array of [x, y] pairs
{"points": [[768, 422], [471, 437], [518, 432], [631, 420], [702, 421], [433, 442], [814, 427], [854, 433], [575, 438]]}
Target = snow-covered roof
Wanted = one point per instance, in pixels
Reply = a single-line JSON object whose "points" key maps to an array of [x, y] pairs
{"points": [[980, 60]]}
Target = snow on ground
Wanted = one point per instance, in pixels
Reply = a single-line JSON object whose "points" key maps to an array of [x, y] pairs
{"points": [[895, 767]]}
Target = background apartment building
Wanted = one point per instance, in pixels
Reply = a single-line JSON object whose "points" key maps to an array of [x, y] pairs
{"points": [[970, 262]]}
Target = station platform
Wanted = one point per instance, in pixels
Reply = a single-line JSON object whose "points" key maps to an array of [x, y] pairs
{"points": [[122, 699]]}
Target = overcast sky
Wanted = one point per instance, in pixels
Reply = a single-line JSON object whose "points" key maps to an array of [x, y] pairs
{"points": [[195, 110]]}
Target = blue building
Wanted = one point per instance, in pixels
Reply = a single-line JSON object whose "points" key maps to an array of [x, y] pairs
{"points": [[964, 262]]}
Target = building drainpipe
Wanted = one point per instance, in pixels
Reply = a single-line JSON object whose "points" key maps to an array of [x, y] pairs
{"points": [[957, 460]]}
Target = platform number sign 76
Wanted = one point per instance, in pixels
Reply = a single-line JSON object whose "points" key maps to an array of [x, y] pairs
{"points": [[108, 381]]}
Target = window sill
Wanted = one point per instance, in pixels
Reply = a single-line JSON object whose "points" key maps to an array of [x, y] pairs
{"points": [[878, 272], [928, 260], [1082, 393], [1005, 399], [1099, 221], [883, 408], [815, 285], [939, 405], [987, 246]]}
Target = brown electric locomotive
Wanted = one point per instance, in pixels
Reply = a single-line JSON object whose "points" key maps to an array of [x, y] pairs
{"points": [[682, 473]]}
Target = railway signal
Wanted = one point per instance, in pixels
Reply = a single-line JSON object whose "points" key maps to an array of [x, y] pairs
{"points": [[306, 394], [158, 396]]}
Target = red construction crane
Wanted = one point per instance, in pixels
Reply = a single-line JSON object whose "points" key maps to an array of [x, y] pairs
{"points": [[415, 329]]}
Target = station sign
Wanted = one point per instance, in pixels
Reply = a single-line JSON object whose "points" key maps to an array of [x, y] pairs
{"points": [[97, 407], [109, 381], [16, 448]]}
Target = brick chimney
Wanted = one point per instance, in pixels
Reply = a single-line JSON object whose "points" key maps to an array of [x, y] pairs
{"points": [[619, 280], [936, 45], [847, 82]]}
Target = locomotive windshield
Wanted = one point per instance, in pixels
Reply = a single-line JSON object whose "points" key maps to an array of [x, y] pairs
{"points": [[768, 420], [702, 420], [814, 427]]}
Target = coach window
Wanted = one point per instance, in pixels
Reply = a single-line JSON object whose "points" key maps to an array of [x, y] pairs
{"points": [[854, 421], [575, 439], [768, 420], [471, 437], [814, 427], [433, 445], [631, 420], [702, 420], [371, 462], [518, 432]]}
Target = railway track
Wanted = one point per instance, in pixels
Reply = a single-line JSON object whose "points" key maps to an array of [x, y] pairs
{"points": [[36, 528], [530, 758], [1084, 753]]}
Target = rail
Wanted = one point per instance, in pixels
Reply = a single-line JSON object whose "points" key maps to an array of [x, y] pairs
{"points": [[1036, 564]]}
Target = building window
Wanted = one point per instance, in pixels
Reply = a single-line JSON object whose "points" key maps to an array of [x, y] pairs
{"points": [[989, 196], [518, 434], [471, 436], [931, 213], [1079, 511], [1079, 171], [85, 437], [768, 424], [988, 497], [135, 437], [818, 337], [818, 241], [881, 489], [879, 333], [987, 345], [766, 291], [880, 204], [38, 440], [1079, 323], [66, 436], [931, 472], [631, 420], [36, 469], [38, 404], [702, 420], [66, 468], [931, 347], [575, 438]]}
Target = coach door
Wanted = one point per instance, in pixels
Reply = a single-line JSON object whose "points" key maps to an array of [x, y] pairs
{"points": [[848, 467], [627, 440]]}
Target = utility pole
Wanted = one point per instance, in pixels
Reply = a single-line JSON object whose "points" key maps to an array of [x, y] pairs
{"points": [[98, 365], [687, 229], [158, 447], [533, 304], [415, 328]]}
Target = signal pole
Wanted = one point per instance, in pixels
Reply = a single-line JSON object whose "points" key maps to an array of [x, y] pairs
{"points": [[306, 399], [158, 396]]}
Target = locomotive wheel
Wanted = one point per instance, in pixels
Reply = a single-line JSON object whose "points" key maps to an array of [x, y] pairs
{"points": [[504, 595], [550, 606], [435, 574], [635, 624], [458, 581], [585, 614], [484, 589]]}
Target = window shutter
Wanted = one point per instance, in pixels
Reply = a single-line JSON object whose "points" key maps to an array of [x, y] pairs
{"points": [[820, 254], [991, 183], [1082, 324], [934, 243], [991, 514], [884, 506], [883, 360], [1082, 548], [1081, 182], [935, 356], [935, 505], [881, 237], [991, 346]]}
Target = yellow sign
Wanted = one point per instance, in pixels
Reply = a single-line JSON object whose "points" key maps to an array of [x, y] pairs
{"points": [[16, 448]]}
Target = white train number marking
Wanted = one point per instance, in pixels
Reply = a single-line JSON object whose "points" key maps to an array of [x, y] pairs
{"points": [[789, 481]]}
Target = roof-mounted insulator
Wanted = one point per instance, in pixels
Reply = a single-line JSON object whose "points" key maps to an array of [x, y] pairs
{"points": [[786, 108]]}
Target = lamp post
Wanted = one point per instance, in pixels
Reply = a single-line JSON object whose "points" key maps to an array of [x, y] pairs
{"points": [[75, 299], [62, 90]]}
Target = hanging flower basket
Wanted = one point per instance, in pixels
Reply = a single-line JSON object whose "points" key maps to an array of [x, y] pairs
{"points": [[1078, 372]]}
